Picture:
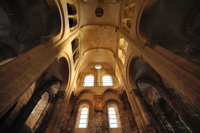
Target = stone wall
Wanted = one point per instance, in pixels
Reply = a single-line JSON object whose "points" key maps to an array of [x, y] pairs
{"points": [[98, 117]]}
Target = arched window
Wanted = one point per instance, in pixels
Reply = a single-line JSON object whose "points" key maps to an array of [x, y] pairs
{"points": [[89, 80], [83, 118], [38, 111], [112, 117], [107, 80]]}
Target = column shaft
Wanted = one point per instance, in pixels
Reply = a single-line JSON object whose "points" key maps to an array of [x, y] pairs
{"points": [[57, 113], [19, 74], [185, 84], [141, 116]]}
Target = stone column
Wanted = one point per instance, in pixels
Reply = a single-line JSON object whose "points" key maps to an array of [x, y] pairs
{"points": [[17, 75], [57, 113], [188, 117], [140, 113], [98, 77], [184, 83], [185, 64], [141, 116]]}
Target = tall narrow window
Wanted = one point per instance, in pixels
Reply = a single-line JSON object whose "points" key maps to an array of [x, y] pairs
{"points": [[89, 81], [38, 111], [107, 80], [112, 117], [83, 118]]}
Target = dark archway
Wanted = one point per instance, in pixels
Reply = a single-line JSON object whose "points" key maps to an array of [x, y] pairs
{"points": [[151, 87]]}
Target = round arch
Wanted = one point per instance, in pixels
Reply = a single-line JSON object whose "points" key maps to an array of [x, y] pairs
{"points": [[86, 91], [65, 69], [110, 96], [110, 90]]}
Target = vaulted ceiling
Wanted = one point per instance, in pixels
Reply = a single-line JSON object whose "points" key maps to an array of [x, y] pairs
{"points": [[98, 39]]}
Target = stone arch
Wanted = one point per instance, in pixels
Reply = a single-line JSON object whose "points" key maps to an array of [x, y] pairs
{"points": [[110, 96], [114, 104], [81, 77], [39, 110], [19, 124], [64, 69], [84, 102], [110, 90], [60, 71], [56, 17], [129, 10], [79, 106], [147, 9], [151, 89], [86, 96], [138, 69], [87, 91]]}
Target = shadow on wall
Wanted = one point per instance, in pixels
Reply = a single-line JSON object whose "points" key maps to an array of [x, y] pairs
{"points": [[174, 25], [24, 25]]}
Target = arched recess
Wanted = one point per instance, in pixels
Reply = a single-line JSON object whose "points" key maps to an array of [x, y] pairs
{"points": [[72, 15], [64, 69], [110, 90], [109, 76], [139, 69], [114, 112], [86, 91], [37, 112], [79, 106], [133, 9], [41, 99], [86, 96], [59, 70], [71, 9], [72, 117], [166, 115], [75, 49], [110, 96], [150, 86], [56, 81], [144, 16]]}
